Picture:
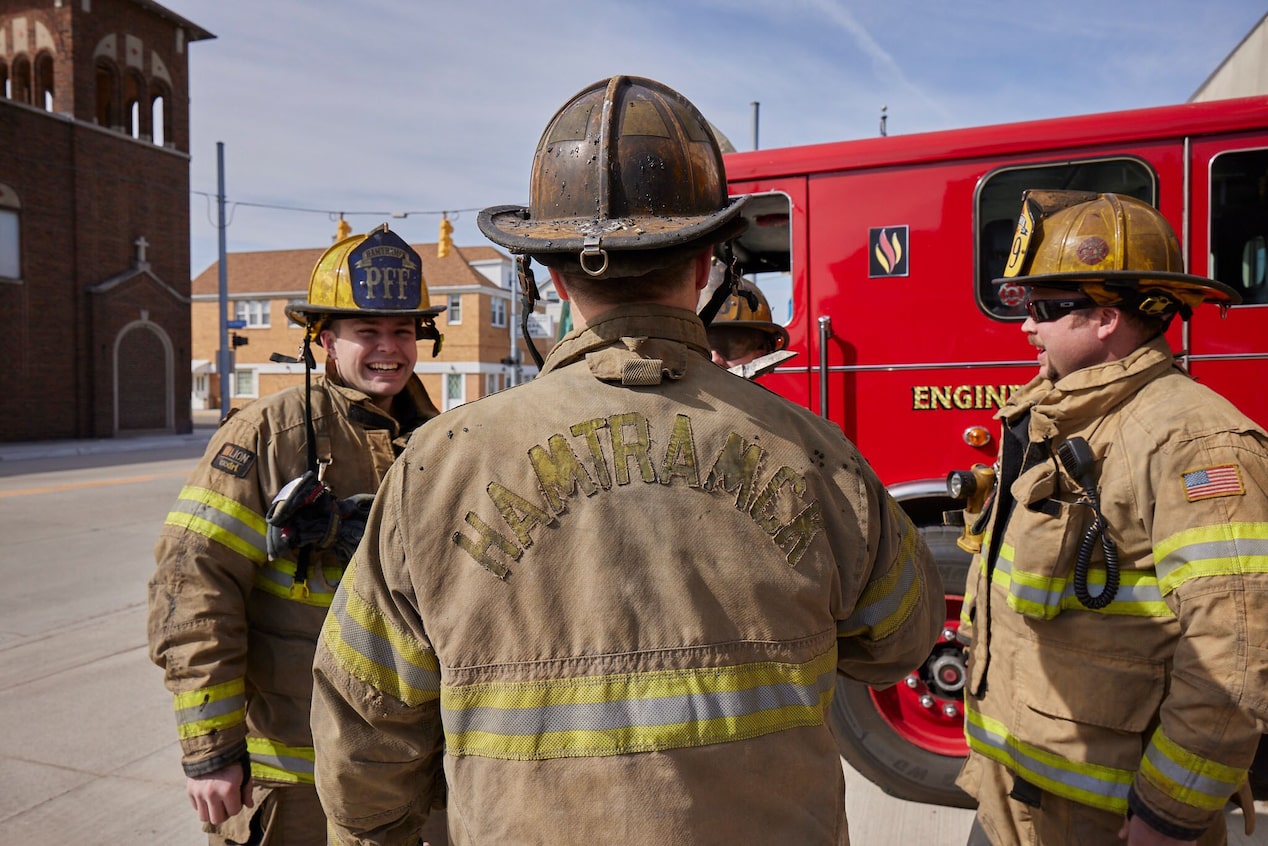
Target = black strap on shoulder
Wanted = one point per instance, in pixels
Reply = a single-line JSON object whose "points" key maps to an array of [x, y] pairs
{"points": [[529, 297], [730, 284]]}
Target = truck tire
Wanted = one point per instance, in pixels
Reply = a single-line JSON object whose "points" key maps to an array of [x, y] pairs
{"points": [[913, 749]]}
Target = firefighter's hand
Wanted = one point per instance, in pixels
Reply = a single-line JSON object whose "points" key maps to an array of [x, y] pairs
{"points": [[353, 512], [219, 795], [1137, 832], [304, 513]]}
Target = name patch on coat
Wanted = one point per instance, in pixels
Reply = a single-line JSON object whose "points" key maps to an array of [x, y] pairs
{"points": [[234, 460], [619, 450], [1210, 482]]}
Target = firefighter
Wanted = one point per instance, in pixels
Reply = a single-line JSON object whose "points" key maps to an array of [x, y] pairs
{"points": [[744, 328], [611, 603], [249, 556], [1118, 609]]}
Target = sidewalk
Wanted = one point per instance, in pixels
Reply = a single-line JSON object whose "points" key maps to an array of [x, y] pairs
{"points": [[205, 422]]}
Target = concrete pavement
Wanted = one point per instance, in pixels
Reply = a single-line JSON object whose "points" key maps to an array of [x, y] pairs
{"points": [[88, 752]]}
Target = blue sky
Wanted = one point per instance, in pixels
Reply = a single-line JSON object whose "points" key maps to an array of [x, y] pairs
{"points": [[384, 106]]}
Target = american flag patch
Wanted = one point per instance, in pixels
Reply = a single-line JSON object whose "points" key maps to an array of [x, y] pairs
{"points": [[1221, 480]]}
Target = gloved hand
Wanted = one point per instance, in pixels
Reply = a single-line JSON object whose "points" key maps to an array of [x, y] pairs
{"points": [[353, 512], [304, 513]]}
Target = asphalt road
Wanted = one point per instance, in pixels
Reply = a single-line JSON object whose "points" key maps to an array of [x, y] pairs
{"points": [[88, 749]]}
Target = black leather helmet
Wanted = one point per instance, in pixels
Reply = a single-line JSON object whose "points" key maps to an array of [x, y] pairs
{"points": [[627, 177]]}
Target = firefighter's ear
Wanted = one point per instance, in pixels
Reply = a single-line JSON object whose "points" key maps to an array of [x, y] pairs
{"points": [[703, 264]]}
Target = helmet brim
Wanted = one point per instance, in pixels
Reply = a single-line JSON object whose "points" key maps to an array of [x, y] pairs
{"points": [[514, 228], [773, 329], [1186, 283]]}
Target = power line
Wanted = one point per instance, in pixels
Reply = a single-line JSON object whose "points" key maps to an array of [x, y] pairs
{"points": [[340, 212]]}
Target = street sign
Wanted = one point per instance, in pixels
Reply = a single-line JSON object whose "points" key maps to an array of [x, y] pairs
{"points": [[235, 324]]}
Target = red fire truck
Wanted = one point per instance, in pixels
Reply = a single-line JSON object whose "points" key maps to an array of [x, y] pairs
{"points": [[886, 247]]}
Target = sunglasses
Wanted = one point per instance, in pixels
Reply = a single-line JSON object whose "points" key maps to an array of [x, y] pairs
{"points": [[1045, 311]]}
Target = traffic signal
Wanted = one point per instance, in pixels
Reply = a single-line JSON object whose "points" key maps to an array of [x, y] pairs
{"points": [[239, 340]]}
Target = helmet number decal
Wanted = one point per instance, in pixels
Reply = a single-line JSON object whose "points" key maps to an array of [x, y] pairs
{"points": [[385, 273], [1021, 240]]}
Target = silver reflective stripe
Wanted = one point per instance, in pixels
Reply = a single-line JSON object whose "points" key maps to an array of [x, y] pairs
{"points": [[1190, 780], [379, 650], [210, 710], [1049, 775], [602, 716], [245, 532], [1233, 549]]}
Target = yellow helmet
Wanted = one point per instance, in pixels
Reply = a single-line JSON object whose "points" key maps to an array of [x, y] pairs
{"points": [[746, 308], [371, 275], [1118, 250]]}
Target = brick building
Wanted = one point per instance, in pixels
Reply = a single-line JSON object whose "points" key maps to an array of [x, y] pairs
{"points": [[479, 324], [94, 218]]}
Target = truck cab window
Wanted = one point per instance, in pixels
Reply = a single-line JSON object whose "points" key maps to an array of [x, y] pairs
{"points": [[999, 202], [764, 252], [1239, 223]]}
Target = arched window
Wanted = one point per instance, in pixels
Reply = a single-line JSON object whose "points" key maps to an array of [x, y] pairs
{"points": [[20, 87], [160, 104], [10, 235], [136, 105], [43, 82], [107, 95]]}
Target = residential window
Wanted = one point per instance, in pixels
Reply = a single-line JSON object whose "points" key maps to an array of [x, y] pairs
{"points": [[10, 232], [454, 312], [254, 312], [245, 384], [499, 311], [492, 383], [455, 393]]}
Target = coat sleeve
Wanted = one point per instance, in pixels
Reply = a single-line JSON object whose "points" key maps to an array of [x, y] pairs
{"points": [[376, 694], [1210, 539], [206, 557], [901, 609]]}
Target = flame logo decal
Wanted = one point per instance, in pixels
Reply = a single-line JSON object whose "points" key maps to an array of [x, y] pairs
{"points": [[889, 251]]}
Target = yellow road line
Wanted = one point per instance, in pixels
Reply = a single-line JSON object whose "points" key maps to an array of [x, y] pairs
{"points": [[102, 483]]}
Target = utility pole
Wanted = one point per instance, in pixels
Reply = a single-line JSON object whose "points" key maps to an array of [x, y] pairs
{"points": [[224, 355], [756, 107]]}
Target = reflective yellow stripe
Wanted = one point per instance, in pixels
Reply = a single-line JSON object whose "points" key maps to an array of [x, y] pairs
{"points": [[368, 646], [635, 712], [1044, 597], [1091, 784], [1187, 778], [888, 600], [221, 519], [1225, 549], [277, 577], [278, 762], [209, 709]]}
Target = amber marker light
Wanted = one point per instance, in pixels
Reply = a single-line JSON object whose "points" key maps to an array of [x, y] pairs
{"points": [[977, 436]]}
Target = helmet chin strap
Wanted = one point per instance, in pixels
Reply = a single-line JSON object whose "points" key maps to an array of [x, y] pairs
{"points": [[730, 284], [529, 297]]}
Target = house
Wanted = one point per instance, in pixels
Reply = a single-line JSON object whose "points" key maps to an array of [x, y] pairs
{"points": [[482, 350]]}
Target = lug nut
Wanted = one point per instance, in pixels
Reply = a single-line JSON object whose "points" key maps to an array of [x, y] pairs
{"points": [[912, 681], [948, 634], [926, 701], [950, 710]]}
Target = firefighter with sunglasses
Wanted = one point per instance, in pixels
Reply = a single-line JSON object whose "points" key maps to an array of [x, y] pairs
{"points": [[1118, 609]]}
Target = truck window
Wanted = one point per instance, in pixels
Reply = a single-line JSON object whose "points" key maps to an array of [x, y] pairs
{"points": [[764, 252], [999, 203], [1239, 223]]}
